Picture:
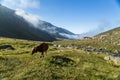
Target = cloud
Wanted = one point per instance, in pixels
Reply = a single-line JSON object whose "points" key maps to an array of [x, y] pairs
{"points": [[33, 19], [21, 4], [102, 27]]}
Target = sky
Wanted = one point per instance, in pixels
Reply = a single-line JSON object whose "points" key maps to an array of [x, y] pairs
{"points": [[77, 16]]}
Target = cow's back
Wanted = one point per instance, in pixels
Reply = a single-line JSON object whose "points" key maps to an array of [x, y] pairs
{"points": [[43, 47]]}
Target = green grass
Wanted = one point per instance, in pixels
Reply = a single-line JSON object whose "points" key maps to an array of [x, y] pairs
{"points": [[70, 64]]}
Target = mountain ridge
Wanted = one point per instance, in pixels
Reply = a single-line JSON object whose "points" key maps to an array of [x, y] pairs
{"points": [[14, 26], [45, 26], [111, 37]]}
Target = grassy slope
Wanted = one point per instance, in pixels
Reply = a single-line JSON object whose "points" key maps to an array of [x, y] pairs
{"points": [[96, 43], [112, 30], [67, 65], [110, 39]]}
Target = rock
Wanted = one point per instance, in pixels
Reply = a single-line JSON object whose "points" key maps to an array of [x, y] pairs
{"points": [[116, 54], [59, 46], [69, 47], [115, 60], [60, 51], [90, 49], [107, 58], [9, 47]]}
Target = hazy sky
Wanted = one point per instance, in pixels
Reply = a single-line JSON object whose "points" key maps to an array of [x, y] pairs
{"points": [[77, 16]]}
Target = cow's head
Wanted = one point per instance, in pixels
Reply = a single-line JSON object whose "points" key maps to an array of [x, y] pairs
{"points": [[34, 50]]}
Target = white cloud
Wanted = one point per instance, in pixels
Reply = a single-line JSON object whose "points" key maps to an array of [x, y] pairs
{"points": [[28, 17], [29, 4], [76, 36], [21, 4]]}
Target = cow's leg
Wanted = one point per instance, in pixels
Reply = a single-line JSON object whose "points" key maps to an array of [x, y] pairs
{"points": [[42, 55], [45, 52]]}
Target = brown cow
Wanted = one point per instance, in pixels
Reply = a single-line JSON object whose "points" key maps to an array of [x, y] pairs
{"points": [[43, 47]]}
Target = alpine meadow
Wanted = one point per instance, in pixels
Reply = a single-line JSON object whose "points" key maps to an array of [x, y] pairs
{"points": [[59, 40]]}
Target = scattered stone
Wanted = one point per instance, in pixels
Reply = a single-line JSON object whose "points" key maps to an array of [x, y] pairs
{"points": [[116, 55], [107, 58], [69, 47], [118, 44], [60, 51], [90, 49], [115, 60]]}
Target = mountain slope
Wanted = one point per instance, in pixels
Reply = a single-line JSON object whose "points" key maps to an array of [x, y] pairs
{"points": [[15, 26], [111, 36], [116, 30], [54, 30], [18, 24], [45, 26]]}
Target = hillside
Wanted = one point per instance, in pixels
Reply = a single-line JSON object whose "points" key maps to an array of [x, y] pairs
{"points": [[111, 36], [111, 31], [109, 40], [104, 41], [14, 26], [61, 63]]}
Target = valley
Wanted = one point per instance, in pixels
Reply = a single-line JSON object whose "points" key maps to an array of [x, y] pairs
{"points": [[91, 55], [66, 59]]}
